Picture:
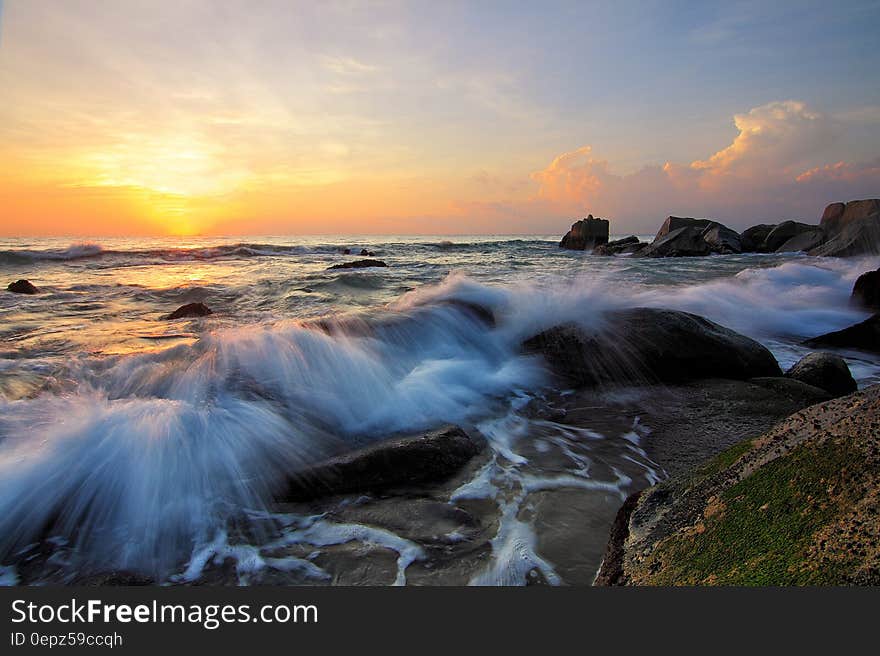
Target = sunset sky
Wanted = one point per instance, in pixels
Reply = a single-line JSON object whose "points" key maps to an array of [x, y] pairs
{"points": [[264, 117]]}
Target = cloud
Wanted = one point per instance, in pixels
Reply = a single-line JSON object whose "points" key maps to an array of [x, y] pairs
{"points": [[773, 169]]}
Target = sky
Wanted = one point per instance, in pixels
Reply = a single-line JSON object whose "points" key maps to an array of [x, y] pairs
{"points": [[135, 117]]}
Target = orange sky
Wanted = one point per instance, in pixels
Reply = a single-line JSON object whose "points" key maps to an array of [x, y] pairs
{"points": [[228, 118]]}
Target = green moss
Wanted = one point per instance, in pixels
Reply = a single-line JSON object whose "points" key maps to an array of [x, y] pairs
{"points": [[762, 534], [725, 459]]}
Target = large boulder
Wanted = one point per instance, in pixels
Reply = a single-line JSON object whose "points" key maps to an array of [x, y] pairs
{"points": [[647, 345], [630, 244], [686, 241], [777, 240], [398, 462], [190, 310], [753, 239], [673, 223], [866, 291], [687, 237], [22, 287], [864, 336], [825, 371], [794, 506], [722, 239], [851, 229], [586, 234]]}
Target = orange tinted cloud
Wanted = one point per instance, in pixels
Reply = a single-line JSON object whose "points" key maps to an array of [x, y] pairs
{"points": [[762, 174]]}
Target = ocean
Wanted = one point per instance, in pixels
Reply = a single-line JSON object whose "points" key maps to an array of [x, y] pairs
{"points": [[157, 446]]}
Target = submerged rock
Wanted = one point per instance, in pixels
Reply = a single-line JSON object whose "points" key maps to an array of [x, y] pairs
{"points": [[866, 291], [366, 253], [586, 234], [359, 264], [650, 345], [794, 506], [22, 287], [397, 462], [825, 371], [864, 336], [190, 310]]}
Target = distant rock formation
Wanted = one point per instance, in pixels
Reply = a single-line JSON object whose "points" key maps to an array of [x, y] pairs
{"points": [[851, 229], [688, 237], [586, 234]]}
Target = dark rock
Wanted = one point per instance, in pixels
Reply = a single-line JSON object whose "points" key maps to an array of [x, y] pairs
{"points": [[22, 287], [803, 242], [346, 251], [681, 242], [687, 237], [359, 264], [190, 310], [853, 230], [783, 232], [722, 239], [646, 345], [753, 239], [611, 572], [825, 371], [397, 462], [586, 234], [866, 291], [673, 223], [864, 336], [366, 253], [629, 244]]}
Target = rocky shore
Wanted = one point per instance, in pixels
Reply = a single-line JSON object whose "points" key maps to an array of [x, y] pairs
{"points": [[844, 230]]}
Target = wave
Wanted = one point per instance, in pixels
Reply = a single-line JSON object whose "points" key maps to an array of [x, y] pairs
{"points": [[146, 460], [72, 252]]}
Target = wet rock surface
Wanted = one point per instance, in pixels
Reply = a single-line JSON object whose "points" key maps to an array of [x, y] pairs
{"points": [[22, 287], [190, 310]]}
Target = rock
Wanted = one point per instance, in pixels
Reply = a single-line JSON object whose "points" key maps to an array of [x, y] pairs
{"points": [[346, 251], [22, 287], [366, 253], [866, 291], [681, 242], [629, 244], [794, 506], [687, 237], [586, 234], [396, 462], [190, 310], [864, 336], [854, 230], [803, 242], [779, 237], [752, 239], [646, 345], [722, 239], [825, 371], [673, 223], [359, 264]]}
